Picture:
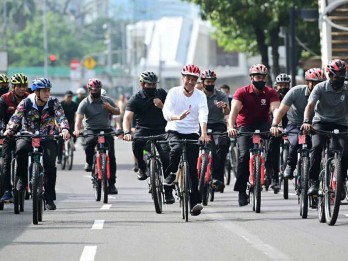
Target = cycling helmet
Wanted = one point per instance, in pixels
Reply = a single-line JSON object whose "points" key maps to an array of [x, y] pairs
{"points": [[94, 84], [191, 69], [40, 83], [4, 78], [19, 78], [258, 69], [315, 75], [148, 77], [81, 91], [208, 74], [336, 67], [283, 78]]}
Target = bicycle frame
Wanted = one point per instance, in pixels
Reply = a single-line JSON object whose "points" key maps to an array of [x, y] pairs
{"points": [[102, 149], [256, 151]]}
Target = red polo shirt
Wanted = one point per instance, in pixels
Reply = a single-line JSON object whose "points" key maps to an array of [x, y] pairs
{"points": [[255, 108]]}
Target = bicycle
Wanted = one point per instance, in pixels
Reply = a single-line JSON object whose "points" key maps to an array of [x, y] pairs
{"points": [[284, 153], [2, 177], [68, 154], [101, 166], [331, 178], [256, 167], [154, 165], [182, 181], [231, 163]]}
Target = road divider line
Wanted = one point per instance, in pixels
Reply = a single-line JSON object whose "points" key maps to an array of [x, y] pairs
{"points": [[346, 215], [98, 224], [106, 206], [88, 253]]}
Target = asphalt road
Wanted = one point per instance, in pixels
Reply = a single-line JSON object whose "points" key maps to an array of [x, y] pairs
{"points": [[128, 228]]}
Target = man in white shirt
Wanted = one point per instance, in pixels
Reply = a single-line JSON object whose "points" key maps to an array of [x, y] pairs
{"points": [[185, 110]]}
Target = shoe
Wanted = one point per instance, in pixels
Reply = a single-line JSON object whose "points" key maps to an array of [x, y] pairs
{"points": [[50, 205], [170, 179], [87, 168], [196, 210], [314, 187], [288, 172], [113, 190], [142, 175], [218, 185], [243, 199], [274, 184], [168, 196], [7, 197], [59, 161]]}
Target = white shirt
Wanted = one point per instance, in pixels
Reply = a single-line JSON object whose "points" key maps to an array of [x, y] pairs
{"points": [[176, 103]]}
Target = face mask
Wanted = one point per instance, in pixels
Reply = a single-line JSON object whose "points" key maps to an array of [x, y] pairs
{"points": [[337, 84], [149, 92], [283, 91], [3, 91], [209, 88], [96, 95], [259, 85]]}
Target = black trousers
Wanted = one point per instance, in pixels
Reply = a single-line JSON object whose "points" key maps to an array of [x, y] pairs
{"points": [[7, 146], [49, 148], [245, 144], [89, 145]]}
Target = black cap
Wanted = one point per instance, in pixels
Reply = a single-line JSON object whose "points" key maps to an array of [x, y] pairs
{"points": [[69, 93]]}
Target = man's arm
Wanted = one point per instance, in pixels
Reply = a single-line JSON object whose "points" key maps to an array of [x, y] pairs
{"points": [[274, 106], [78, 124], [236, 107], [127, 121], [279, 114]]}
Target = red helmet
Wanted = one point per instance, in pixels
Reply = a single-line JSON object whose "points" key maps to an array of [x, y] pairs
{"points": [[258, 69], [94, 84], [336, 67], [191, 69], [315, 75], [208, 74]]}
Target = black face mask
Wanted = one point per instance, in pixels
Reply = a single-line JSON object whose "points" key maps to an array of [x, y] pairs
{"points": [[259, 85], [337, 84], [3, 91], [96, 95], [209, 88], [283, 91], [149, 92]]}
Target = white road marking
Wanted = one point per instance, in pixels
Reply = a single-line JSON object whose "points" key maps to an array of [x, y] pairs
{"points": [[87, 176], [106, 206], [88, 253], [346, 215], [98, 224]]}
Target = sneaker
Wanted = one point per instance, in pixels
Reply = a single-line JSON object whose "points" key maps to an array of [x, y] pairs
{"points": [[218, 185], [87, 168], [113, 190], [168, 195], [59, 161], [50, 205], [243, 199], [314, 187], [142, 175], [170, 179], [7, 197], [288, 172], [196, 210]]}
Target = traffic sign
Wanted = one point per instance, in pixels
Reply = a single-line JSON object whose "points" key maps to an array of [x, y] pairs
{"points": [[74, 64], [89, 62]]}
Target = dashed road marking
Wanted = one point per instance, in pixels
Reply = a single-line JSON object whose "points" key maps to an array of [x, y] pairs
{"points": [[98, 224], [88, 253], [106, 206]]}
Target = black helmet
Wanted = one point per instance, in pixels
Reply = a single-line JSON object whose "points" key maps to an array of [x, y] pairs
{"points": [[148, 77], [19, 78]]}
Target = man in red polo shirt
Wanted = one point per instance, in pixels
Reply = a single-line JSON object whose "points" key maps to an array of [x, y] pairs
{"points": [[250, 111]]}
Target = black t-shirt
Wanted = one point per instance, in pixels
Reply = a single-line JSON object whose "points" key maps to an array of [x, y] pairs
{"points": [[146, 114], [69, 111]]}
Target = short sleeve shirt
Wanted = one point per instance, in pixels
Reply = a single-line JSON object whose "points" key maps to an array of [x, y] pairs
{"points": [[296, 98], [331, 106], [96, 117], [255, 107], [146, 114], [216, 115]]}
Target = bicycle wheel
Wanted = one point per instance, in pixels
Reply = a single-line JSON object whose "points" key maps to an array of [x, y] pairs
{"points": [[333, 190], [2, 179], [186, 189], [257, 187], [96, 182], [227, 170], [203, 170], [181, 189], [304, 187], [35, 194], [321, 199], [155, 169], [40, 197], [64, 158], [104, 177], [16, 199], [70, 159], [285, 181], [234, 160]]}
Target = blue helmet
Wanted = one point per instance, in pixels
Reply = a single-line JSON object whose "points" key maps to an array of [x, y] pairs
{"points": [[40, 83]]}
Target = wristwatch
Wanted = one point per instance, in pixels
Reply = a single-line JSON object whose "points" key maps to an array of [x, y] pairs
{"points": [[307, 121]]}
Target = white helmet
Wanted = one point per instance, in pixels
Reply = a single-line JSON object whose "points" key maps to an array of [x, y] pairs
{"points": [[81, 91]]}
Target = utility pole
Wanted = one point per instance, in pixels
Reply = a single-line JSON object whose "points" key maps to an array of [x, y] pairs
{"points": [[44, 22]]}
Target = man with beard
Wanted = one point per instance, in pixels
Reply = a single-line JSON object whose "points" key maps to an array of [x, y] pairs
{"points": [[95, 109], [8, 104], [250, 110], [293, 105], [329, 102]]}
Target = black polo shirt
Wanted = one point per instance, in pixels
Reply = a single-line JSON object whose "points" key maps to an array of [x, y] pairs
{"points": [[147, 116]]}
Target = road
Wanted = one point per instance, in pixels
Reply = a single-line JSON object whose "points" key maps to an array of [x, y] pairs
{"points": [[129, 229]]}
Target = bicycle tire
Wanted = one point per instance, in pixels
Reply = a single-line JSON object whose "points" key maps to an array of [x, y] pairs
{"points": [[285, 181], [333, 168], [206, 193], [234, 160], [155, 185], [304, 187], [181, 190], [22, 196], [35, 194], [95, 181], [40, 198], [203, 171], [70, 155], [257, 187], [227, 172], [186, 190], [2, 181], [64, 159], [104, 178], [321, 199], [212, 194]]}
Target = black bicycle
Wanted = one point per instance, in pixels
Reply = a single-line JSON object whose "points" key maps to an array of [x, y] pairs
{"points": [[231, 163], [68, 154], [284, 154]]}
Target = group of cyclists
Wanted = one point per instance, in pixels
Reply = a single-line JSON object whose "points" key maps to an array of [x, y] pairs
{"points": [[187, 111]]}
